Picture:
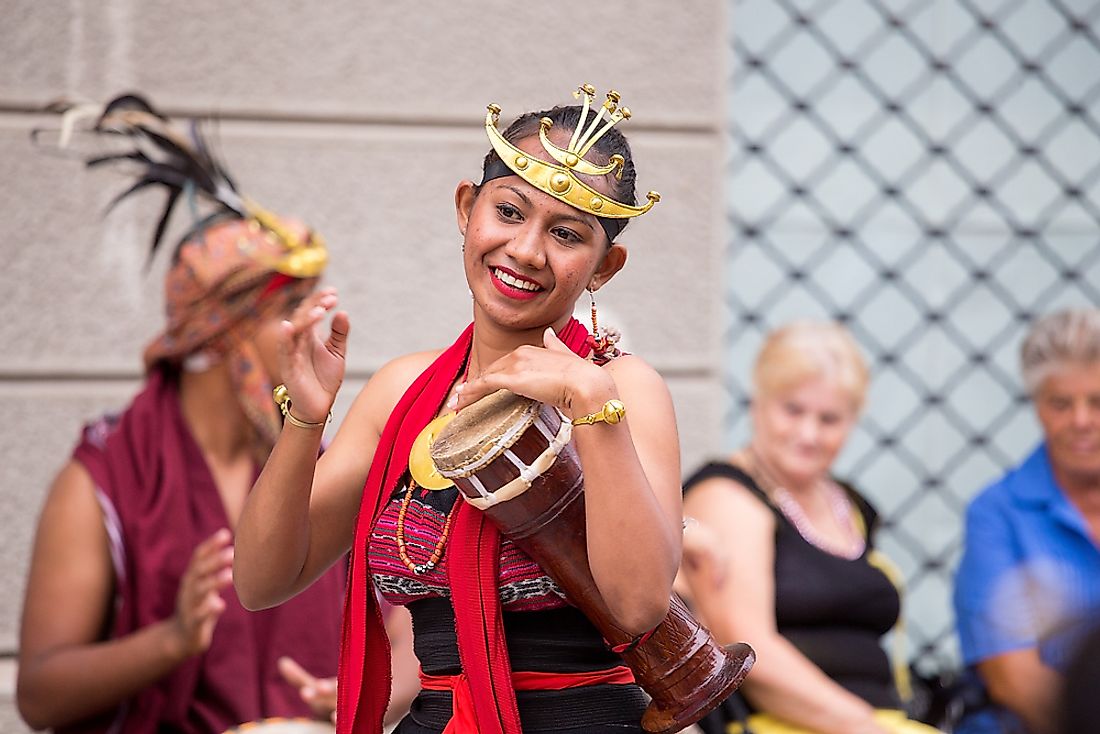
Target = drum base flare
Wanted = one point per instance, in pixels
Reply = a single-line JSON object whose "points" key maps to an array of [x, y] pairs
{"points": [[662, 718]]}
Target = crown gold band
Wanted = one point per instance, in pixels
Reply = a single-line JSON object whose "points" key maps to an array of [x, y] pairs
{"points": [[560, 180], [304, 258]]}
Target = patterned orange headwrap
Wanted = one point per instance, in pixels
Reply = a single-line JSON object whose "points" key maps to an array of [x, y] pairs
{"points": [[240, 267], [218, 292]]}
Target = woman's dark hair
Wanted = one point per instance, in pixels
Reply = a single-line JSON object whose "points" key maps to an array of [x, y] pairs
{"points": [[566, 117]]}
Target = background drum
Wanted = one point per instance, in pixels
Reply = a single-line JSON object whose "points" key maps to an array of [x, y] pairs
{"points": [[284, 726]]}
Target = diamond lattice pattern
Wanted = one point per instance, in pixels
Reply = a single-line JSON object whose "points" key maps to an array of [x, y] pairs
{"points": [[928, 173]]}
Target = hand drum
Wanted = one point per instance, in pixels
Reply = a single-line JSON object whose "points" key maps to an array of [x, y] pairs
{"points": [[511, 458]]}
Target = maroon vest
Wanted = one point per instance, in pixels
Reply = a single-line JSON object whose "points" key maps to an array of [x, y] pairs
{"points": [[160, 501]]}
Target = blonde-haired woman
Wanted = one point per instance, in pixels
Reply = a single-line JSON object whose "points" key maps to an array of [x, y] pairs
{"points": [[796, 575]]}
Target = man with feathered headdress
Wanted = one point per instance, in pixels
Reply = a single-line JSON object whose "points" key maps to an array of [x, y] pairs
{"points": [[128, 624]]}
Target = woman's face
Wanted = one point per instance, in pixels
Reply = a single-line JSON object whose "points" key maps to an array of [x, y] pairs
{"points": [[1068, 406], [528, 257], [801, 430]]}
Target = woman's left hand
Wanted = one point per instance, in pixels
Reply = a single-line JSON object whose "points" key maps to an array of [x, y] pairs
{"points": [[553, 375], [319, 693]]}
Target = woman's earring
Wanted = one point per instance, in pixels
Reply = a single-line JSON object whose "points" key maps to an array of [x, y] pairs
{"points": [[602, 340], [592, 300]]}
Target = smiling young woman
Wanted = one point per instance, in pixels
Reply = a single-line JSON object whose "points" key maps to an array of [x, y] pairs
{"points": [[540, 229]]}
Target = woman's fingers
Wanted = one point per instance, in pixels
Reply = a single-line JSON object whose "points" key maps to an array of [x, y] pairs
{"points": [[211, 560], [209, 556], [302, 316], [199, 604], [312, 369], [195, 620], [319, 693], [207, 618], [308, 314], [551, 341], [217, 539], [476, 389], [211, 607], [338, 335], [293, 673], [551, 375], [324, 696], [209, 571], [508, 372]]}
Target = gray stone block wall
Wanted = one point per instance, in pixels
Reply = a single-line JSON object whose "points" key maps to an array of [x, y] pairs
{"points": [[359, 117]]}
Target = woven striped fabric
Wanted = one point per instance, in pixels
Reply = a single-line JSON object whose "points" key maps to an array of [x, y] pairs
{"points": [[523, 584]]}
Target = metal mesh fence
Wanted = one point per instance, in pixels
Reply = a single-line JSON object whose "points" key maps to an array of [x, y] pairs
{"points": [[927, 173]]}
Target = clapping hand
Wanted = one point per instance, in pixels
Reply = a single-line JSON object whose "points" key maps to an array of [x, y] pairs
{"points": [[198, 602], [312, 369], [319, 693]]}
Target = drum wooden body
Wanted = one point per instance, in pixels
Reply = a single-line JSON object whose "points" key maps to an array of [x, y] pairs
{"points": [[512, 458]]}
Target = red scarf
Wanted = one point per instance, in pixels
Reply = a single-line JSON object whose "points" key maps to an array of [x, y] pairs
{"points": [[474, 554]]}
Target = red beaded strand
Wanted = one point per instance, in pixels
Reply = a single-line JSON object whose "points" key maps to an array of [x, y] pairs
{"points": [[402, 552]]}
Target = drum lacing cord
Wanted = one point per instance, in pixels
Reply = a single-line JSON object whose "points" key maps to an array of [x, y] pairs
{"points": [[632, 644]]}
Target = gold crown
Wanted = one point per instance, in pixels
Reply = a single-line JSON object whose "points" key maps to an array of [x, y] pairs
{"points": [[302, 257], [560, 181]]}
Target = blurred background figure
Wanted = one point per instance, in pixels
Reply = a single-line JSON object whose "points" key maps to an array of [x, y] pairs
{"points": [[1029, 579], [1080, 708], [782, 554], [925, 174], [129, 624]]}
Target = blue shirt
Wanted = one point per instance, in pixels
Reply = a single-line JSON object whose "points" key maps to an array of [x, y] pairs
{"points": [[1029, 576]]}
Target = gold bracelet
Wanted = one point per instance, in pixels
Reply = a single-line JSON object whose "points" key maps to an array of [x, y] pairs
{"points": [[611, 413], [282, 399]]}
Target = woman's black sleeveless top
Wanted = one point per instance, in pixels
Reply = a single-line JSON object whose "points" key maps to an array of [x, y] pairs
{"points": [[834, 610], [559, 640]]}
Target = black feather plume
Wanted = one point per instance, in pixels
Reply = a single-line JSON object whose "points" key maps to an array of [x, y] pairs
{"points": [[162, 156]]}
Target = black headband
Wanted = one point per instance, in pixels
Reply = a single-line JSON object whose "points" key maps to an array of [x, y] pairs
{"points": [[499, 169]]}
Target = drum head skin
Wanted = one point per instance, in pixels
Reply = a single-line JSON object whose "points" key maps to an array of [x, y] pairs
{"points": [[482, 431]]}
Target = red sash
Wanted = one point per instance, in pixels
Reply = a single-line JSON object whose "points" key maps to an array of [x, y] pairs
{"points": [[473, 557], [462, 717]]}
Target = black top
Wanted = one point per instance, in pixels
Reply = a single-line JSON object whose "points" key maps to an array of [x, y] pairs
{"points": [[832, 609], [560, 640]]}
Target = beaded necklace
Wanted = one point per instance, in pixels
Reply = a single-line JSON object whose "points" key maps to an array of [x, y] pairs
{"points": [[402, 549], [437, 553], [839, 504]]}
